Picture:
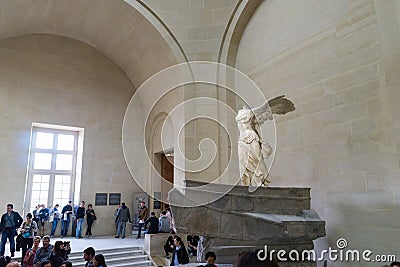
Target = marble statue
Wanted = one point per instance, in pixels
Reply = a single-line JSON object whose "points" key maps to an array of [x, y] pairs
{"points": [[252, 149]]}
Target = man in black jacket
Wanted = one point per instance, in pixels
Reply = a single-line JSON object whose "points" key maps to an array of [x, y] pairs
{"points": [[66, 218], [169, 245], [10, 222], [153, 221], [80, 215]]}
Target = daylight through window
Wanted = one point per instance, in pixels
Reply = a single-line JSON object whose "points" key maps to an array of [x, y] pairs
{"points": [[52, 167]]}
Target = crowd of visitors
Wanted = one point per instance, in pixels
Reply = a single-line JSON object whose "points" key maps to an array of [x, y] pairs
{"points": [[12, 225], [57, 255], [41, 216]]}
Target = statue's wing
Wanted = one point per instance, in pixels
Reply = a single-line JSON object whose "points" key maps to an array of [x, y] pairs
{"points": [[281, 105], [277, 105]]}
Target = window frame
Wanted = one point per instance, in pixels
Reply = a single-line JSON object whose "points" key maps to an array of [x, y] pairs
{"points": [[56, 131]]}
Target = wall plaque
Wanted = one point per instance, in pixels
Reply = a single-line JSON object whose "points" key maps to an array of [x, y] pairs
{"points": [[114, 199], [100, 199]]}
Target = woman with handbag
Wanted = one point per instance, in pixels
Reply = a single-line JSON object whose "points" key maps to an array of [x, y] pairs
{"points": [[90, 218], [30, 254], [28, 229]]}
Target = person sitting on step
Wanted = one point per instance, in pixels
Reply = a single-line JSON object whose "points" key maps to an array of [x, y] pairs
{"points": [[193, 242], [43, 253], [164, 223], [88, 255], [153, 224], [169, 245], [179, 253], [99, 261]]}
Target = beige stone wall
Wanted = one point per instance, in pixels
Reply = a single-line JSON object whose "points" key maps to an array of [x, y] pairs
{"points": [[56, 80], [338, 61], [198, 25]]}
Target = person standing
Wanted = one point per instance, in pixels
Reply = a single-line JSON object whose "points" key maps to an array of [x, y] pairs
{"points": [[43, 217], [167, 208], [90, 218], [80, 215], [143, 215], [56, 214], [10, 222], [123, 217], [66, 218], [35, 214], [28, 229]]}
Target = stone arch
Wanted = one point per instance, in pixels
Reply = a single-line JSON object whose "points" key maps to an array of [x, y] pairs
{"points": [[158, 120], [241, 15], [154, 148]]}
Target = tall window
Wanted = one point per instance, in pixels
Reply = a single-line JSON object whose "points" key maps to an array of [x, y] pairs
{"points": [[52, 167]]}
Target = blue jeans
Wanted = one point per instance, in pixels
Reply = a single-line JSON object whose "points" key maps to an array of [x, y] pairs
{"points": [[140, 229], [54, 226], [79, 224], [10, 234], [64, 227], [123, 226]]}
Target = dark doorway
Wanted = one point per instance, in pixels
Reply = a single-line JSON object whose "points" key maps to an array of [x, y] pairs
{"points": [[167, 172]]}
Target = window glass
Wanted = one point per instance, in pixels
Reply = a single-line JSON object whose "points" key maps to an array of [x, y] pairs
{"points": [[51, 170], [64, 162], [65, 142], [61, 189], [44, 140], [42, 161], [40, 190]]}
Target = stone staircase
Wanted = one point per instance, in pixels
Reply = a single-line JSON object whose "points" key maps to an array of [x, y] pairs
{"points": [[116, 257]]}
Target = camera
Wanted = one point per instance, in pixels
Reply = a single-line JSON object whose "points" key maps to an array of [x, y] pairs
{"points": [[66, 244]]}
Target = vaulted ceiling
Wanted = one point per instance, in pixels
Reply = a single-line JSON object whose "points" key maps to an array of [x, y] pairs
{"points": [[117, 28]]}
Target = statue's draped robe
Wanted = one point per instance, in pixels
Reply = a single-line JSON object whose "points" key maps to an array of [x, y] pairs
{"points": [[251, 150]]}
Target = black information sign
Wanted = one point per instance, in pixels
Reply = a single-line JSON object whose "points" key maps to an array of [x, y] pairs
{"points": [[114, 199], [101, 199]]}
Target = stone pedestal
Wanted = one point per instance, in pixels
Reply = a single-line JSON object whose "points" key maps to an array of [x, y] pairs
{"points": [[280, 218], [154, 243]]}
